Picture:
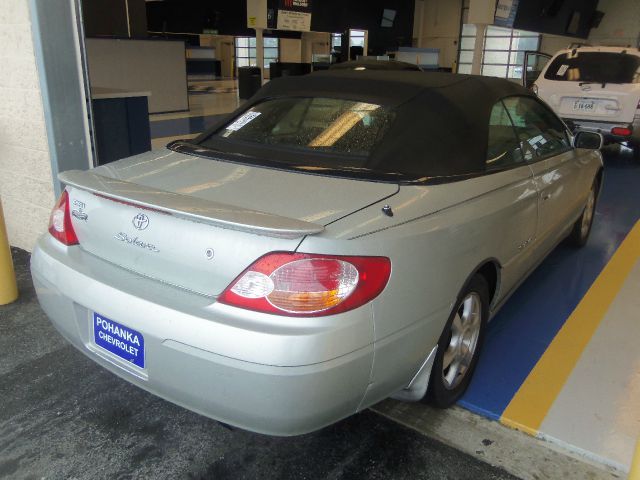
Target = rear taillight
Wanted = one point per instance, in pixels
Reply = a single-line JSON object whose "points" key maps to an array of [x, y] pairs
{"points": [[621, 131], [301, 284], [60, 222]]}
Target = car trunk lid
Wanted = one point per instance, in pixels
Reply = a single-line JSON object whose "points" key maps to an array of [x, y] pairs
{"points": [[192, 235]]}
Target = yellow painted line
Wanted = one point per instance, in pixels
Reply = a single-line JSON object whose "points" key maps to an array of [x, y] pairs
{"points": [[531, 403], [634, 473], [8, 285]]}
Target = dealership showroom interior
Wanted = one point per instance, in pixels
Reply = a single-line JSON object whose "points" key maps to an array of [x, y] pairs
{"points": [[320, 239]]}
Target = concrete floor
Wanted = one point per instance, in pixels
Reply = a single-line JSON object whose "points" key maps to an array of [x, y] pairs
{"points": [[62, 416]]}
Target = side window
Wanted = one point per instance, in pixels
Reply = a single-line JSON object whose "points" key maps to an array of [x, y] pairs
{"points": [[541, 133], [503, 148]]}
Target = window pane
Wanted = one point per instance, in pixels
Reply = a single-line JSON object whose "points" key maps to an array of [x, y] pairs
{"points": [[524, 33], [312, 124], [271, 42], [242, 42], [252, 52], [466, 56], [494, 70], [252, 42], [242, 52], [496, 57], [595, 67], [357, 41], [242, 62], [515, 71], [468, 30], [467, 43], [503, 148], [525, 43], [497, 43], [464, 68], [541, 133], [493, 31], [517, 58]]}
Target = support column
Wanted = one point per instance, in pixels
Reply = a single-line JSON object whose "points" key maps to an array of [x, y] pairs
{"points": [[478, 49], [260, 52]]}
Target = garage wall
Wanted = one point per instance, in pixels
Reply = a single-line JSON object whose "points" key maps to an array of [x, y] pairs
{"points": [[552, 43], [290, 50], [26, 186], [314, 43], [620, 25], [156, 66], [437, 25]]}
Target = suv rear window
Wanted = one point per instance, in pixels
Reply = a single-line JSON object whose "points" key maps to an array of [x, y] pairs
{"points": [[598, 67], [342, 127]]}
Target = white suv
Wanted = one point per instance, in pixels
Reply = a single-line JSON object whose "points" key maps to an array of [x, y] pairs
{"points": [[595, 89]]}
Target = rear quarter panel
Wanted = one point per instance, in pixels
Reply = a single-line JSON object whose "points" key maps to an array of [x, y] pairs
{"points": [[436, 239]]}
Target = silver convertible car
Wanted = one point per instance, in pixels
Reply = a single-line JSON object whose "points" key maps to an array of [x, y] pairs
{"points": [[341, 238]]}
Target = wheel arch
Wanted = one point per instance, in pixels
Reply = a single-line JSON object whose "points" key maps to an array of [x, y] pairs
{"points": [[491, 270], [599, 177]]}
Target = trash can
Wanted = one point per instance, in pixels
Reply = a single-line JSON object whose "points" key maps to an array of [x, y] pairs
{"points": [[249, 81]]}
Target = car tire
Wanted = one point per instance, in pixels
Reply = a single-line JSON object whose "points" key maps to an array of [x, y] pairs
{"points": [[459, 345], [582, 228]]}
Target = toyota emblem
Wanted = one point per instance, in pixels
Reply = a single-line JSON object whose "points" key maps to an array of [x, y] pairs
{"points": [[140, 221]]}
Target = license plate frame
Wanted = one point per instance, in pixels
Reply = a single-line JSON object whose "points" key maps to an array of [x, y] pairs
{"points": [[119, 340]]}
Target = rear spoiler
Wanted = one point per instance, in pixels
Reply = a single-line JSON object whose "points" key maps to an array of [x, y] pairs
{"points": [[191, 208]]}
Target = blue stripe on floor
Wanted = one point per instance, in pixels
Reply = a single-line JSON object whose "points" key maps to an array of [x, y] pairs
{"points": [[182, 126], [520, 333]]}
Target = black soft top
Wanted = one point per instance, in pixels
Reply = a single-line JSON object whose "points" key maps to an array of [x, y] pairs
{"points": [[368, 64], [441, 124]]}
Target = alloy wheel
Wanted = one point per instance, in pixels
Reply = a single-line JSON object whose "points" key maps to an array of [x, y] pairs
{"points": [[463, 340], [587, 216]]}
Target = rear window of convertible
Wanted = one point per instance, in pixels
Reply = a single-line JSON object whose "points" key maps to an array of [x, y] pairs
{"points": [[342, 127]]}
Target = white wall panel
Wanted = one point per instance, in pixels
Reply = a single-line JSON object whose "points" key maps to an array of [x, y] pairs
{"points": [[25, 171], [155, 66]]}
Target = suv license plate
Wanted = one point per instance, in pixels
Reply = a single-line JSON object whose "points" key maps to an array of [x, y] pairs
{"points": [[584, 105], [124, 342]]}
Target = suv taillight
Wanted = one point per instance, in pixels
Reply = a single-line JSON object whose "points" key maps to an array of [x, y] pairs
{"points": [[60, 222], [621, 131], [308, 285]]}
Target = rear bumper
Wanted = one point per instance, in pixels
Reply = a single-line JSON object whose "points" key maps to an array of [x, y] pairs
{"points": [[182, 336], [605, 128]]}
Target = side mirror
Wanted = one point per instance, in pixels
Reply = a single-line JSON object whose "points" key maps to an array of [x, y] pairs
{"points": [[590, 140]]}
